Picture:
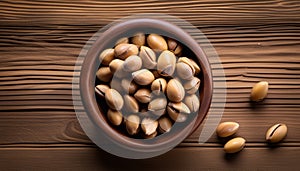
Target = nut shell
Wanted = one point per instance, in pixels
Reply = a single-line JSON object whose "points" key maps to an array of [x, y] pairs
{"points": [[166, 63], [106, 56], [143, 77], [113, 99], [227, 129], [115, 117], [175, 91], [123, 51], [157, 42], [276, 133], [234, 145], [259, 91]]}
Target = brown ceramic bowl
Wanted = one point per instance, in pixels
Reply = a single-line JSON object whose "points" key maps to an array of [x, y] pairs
{"points": [[97, 113]]}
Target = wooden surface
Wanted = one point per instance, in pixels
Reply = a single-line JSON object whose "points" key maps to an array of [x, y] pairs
{"points": [[40, 42]]}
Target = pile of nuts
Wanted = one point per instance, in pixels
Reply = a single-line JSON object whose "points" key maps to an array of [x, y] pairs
{"points": [[147, 84]]}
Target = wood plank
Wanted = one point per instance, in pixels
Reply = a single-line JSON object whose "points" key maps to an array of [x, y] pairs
{"points": [[76, 158]]}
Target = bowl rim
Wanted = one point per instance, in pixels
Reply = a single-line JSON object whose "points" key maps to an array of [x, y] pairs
{"points": [[89, 68]]}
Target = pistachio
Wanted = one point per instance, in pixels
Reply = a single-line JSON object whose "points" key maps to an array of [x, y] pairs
{"points": [[116, 65], [143, 77], [158, 106], [196, 66], [178, 112], [227, 129], [113, 99], [184, 71], [164, 124], [115, 117], [129, 86], [192, 102], [139, 39], [104, 74], [148, 57], [123, 40], [276, 133], [150, 136], [234, 145], [157, 42], [132, 63], [192, 85], [189, 62], [174, 46], [149, 126], [175, 91], [132, 124], [130, 104], [123, 51], [259, 91], [101, 89], [106, 56], [166, 63], [143, 95], [159, 86]]}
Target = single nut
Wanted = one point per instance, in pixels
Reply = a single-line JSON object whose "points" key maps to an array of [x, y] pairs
{"points": [[166, 63], [104, 74], [164, 124], [132, 124], [259, 91], [123, 40], [143, 95], [157, 42], [116, 65], [106, 56], [132, 63], [101, 89], [192, 102], [139, 39], [189, 62], [227, 129], [143, 77], [158, 106], [123, 51], [148, 57], [115, 117], [184, 71], [113, 99], [149, 126], [234, 145], [129, 86], [130, 104], [175, 91], [178, 112], [159, 86], [276, 133], [192, 86], [196, 66], [174, 46]]}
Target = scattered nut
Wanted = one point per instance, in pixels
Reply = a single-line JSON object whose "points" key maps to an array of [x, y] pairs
{"points": [[234, 145], [259, 91], [276, 133], [227, 129]]}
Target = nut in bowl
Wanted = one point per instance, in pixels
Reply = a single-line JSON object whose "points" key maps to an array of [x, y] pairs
{"points": [[147, 84]]}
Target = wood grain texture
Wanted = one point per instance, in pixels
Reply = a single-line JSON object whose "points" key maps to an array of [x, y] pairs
{"points": [[40, 42]]}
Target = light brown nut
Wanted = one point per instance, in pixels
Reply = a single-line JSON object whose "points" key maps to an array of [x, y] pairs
{"points": [[149, 126], [123, 40], [159, 86], [143, 77], [166, 63], [123, 51], [192, 86], [226, 129], [132, 123], [178, 112], [139, 39], [104, 74], [196, 66], [113, 99], [158, 106], [130, 104], [184, 71], [132, 63], [192, 102], [148, 57], [175, 91], [259, 91], [101, 89], [174, 46], [150, 136], [106, 56], [157, 42], [129, 86], [143, 95], [189, 62], [164, 124], [116, 65], [276, 133], [234, 145], [115, 117]]}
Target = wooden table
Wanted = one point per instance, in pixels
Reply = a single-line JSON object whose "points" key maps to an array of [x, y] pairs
{"points": [[40, 42]]}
